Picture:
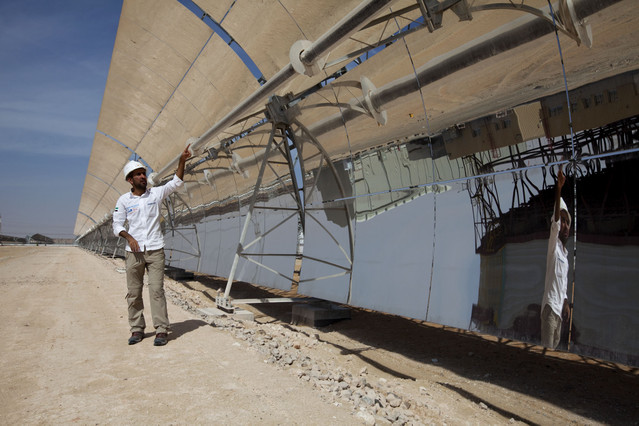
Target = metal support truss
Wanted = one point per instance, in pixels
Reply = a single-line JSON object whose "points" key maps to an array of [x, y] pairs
{"points": [[308, 57], [283, 147], [176, 229]]}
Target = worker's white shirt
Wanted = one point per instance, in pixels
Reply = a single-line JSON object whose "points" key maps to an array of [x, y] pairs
{"points": [[143, 214], [556, 285]]}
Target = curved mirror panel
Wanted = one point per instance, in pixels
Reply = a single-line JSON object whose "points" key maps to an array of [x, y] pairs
{"points": [[401, 161]]}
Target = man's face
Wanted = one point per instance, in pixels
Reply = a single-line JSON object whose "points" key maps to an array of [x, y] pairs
{"points": [[564, 231], [137, 179]]}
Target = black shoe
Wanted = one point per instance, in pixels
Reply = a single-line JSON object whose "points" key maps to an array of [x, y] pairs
{"points": [[136, 337], [160, 339]]}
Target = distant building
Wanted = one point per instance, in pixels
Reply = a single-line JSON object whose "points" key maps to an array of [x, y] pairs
{"points": [[40, 239], [10, 239]]}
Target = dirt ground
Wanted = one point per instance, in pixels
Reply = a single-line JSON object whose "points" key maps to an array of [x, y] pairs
{"points": [[65, 360]]}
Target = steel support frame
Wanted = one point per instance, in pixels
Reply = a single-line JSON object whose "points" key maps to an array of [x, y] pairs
{"points": [[224, 302], [358, 19], [169, 204], [282, 140], [347, 26]]}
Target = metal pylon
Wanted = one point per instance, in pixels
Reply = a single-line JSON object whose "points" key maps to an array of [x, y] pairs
{"points": [[170, 204], [282, 142]]}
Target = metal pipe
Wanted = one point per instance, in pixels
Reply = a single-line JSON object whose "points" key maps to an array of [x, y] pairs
{"points": [[509, 37], [269, 87], [351, 23], [348, 25]]}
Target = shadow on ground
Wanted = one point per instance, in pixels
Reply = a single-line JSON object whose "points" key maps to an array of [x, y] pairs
{"points": [[602, 391], [181, 328]]}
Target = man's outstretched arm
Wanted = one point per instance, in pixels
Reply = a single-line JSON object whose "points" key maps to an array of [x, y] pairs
{"points": [[561, 179], [185, 154]]}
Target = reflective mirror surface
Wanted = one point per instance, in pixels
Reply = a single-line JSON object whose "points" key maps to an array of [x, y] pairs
{"points": [[413, 168]]}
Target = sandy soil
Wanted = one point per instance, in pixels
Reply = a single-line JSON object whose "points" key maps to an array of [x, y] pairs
{"points": [[65, 360]]}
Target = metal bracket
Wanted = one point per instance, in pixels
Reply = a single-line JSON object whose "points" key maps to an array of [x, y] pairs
{"points": [[581, 30], [433, 10], [224, 303], [431, 23], [279, 110], [300, 67], [566, 18], [366, 105]]}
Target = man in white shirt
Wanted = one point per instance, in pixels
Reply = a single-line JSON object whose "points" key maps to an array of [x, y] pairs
{"points": [[145, 246], [555, 306]]}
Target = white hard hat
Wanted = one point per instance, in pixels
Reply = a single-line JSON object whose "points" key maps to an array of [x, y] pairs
{"points": [[563, 206], [132, 165]]}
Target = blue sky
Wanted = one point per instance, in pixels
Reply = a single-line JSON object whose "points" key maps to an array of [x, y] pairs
{"points": [[54, 61]]}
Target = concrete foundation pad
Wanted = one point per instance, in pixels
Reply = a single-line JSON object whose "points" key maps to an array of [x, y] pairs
{"points": [[212, 312], [318, 315], [243, 314], [240, 314]]}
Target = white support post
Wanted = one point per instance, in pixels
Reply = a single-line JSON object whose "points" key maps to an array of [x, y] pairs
{"points": [[247, 220]]}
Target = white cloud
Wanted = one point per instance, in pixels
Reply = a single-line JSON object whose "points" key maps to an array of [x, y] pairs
{"points": [[44, 143], [54, 67], [69, 118]]}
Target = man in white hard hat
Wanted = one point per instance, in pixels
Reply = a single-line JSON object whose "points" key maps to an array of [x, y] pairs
{"points": [[555, 308], [145, 246]]}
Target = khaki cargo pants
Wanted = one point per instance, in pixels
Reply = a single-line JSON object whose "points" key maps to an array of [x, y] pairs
{"points": [[136, 263], [550, 328]]}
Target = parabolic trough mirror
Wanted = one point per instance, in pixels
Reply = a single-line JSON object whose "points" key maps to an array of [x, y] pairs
{"points": [[405, 152]]}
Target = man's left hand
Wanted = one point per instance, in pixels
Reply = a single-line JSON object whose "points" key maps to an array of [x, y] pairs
{"points": [[186, 153], [565, 313]]}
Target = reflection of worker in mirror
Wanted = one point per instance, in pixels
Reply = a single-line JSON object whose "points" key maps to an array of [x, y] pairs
{"points": [[145, 246], [555, 306]]}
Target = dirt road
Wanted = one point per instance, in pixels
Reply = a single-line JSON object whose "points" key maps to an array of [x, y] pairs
{"points": [[65, 360], [65, 357]]}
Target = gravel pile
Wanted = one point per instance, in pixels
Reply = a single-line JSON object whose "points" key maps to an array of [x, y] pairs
{"points": [[374, 401]]}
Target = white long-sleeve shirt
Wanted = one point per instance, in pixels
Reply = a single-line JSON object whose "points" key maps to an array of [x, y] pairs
{"points": [[143, 214], [556, 285]]}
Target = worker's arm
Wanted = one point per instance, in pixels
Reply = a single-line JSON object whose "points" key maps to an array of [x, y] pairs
{"points": [[561, 179], [119, 217], [180, 170], [132, 241], [565, 312]]}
